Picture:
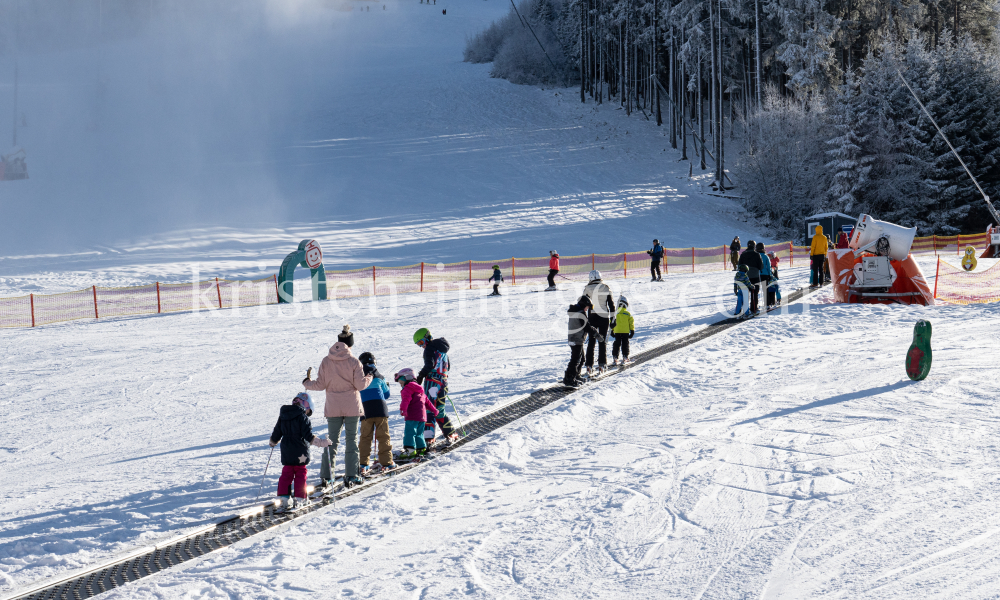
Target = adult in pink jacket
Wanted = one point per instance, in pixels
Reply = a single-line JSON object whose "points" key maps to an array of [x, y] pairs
{"points": [[342, 377]]}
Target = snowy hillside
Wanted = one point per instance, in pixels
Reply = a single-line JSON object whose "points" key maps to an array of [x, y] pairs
{"points": [[395, 152]]}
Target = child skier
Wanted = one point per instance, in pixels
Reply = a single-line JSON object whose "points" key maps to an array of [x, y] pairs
{"points": [[497, 276], [294, 431], [434, 377], [774, 262], [623, 330], [414, 408], [579, 329], [375, 421], [741, 287]]}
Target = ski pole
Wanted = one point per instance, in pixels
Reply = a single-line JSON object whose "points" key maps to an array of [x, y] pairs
{"points": [[457, 416], [261, 486]]}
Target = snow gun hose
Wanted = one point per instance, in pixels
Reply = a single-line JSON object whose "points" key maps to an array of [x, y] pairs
{"points": [[261, 486]]}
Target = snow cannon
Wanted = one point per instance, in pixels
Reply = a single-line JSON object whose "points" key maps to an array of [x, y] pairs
{"points": [[876, 267]]}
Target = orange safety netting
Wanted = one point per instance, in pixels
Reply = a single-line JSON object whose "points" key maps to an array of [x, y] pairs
{"points": [[958, 286], [98, 302]]}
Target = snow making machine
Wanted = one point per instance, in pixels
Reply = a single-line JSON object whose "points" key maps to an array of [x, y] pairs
{"points": [[876, 267]]}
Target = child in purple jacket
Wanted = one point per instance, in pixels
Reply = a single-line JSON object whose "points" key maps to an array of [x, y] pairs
{"points": [[414, 408]]}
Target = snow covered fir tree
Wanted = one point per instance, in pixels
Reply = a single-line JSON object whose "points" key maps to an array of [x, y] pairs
{"points": [[798, 104]]}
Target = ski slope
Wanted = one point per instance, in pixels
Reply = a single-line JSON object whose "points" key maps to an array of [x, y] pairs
{"points": [[364, 130], [786, 458]]}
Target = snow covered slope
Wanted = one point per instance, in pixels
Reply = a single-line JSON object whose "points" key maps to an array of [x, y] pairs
{"points": [[787, 458], [362, 129]]}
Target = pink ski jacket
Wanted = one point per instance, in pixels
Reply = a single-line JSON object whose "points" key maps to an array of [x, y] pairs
{"points": [[415, 404], [343, 378]]}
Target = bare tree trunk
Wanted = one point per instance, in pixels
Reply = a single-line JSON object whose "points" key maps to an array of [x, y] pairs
{"points": [[757, 65]]}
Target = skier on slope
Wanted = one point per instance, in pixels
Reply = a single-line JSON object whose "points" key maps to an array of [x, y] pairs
{"points": [[343, 378], [497, 278], [434, 377], [579, 329], [817, 255], [375, 421], [754, 264], [655, 256], [734, 251], [600, 317], [294, 431], [553, 269], [623, 331], [415, 408]]}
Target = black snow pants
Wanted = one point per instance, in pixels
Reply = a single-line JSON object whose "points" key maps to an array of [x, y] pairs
{"points": [[754, 295], [575, 364], [601, 323], [654, 269], [817, 269], [552, 277], [621, 344]]}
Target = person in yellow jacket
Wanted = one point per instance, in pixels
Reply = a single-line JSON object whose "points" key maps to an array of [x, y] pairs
{"points": [[817, 254], [623, 331]]}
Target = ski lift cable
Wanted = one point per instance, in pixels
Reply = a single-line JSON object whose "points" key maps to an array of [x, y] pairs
{"points": [[986, 197]]}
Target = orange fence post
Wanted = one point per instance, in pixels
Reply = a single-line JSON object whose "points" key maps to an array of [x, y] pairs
{"points": [[374, 288], [421, 276], [935, 242], [158, 311], [470, 274], [513, 271], [958, 246], [593, 263], [791, 255], [666, 262], [723, 257], [94, 288], [218, 291], [936, 274], [277, 296], [625, 256], [692, 259], [32, 310]]}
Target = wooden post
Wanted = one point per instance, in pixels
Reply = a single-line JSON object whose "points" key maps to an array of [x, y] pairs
{"points": [[692, 259], [32, 310], [724, 257], [513, 271], [94, 288], [625, 255], [937, 273], [218, 291], [791, 255], [935, 242], [958, 245], [158, 311], [593, 262], [276, 294], [374, 288], [421, 276]]}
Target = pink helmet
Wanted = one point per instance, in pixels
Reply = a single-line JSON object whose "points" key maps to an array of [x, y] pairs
{"points": [[302, 399], [405, 375]]}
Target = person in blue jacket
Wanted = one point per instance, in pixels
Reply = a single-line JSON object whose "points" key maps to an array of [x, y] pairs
{"points": [[375, 421], [655, 256], [741, 287]]}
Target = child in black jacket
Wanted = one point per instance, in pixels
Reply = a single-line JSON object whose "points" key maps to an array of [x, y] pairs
{"points": [[294, 431]]}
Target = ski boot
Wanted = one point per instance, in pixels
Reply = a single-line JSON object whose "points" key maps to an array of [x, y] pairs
{"points": [[422, 452], [284, 503], [364, 470], [301, 502], [407, 454], [626, 361], [350, 482]]}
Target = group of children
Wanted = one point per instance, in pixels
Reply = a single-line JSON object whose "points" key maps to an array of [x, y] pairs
{"points": [[747, 284], [422, 407]]}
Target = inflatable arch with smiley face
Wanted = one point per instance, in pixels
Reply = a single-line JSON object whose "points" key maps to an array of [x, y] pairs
{"points": [[308, 255]]}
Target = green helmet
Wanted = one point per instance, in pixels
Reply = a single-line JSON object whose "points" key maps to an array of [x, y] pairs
{"points": [[421, 334]]}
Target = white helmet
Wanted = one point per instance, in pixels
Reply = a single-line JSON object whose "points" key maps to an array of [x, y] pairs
{"points": [[551, 252], [622, 300], [595, 275]]}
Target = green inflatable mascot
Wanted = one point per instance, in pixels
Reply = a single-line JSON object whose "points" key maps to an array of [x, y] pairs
{"points": [[309, 255], [918, 358]]}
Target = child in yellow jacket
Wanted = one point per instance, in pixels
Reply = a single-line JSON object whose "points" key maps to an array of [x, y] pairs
{"points": [[623, 331]]}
